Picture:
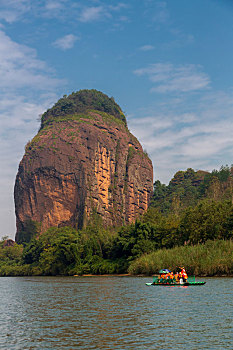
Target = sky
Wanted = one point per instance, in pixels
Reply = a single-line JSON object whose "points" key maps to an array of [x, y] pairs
{"points": [[167, 63]]}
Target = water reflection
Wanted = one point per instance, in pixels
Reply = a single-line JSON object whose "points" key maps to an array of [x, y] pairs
{"points": [[114, 313]]}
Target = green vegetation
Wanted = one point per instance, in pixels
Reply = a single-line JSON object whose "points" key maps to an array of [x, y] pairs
{"points": [[63, 251], [188, 187], [212, 259], [28, 231], [81, 102], [54, 253], [10, 258], [189, 222]]}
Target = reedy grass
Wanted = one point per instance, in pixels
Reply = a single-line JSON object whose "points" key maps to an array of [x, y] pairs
{"points": [[214, 258]]}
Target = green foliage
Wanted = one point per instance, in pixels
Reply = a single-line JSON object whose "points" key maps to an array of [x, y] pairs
{"points": [[97, 243], [55, 252], [223, 174], [160, 197], [10, 259], [208, 220], [29, 230], [10, 254], [188, 187], [212, 258], [228, 225], [65, 251], [145, 236], [15, 270], [82, 101]]}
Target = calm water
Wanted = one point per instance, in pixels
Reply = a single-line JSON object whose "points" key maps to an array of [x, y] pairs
{"points": [[114, 313]]}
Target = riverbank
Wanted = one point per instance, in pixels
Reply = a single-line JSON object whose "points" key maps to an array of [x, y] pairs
{"points": [[214, 258]]}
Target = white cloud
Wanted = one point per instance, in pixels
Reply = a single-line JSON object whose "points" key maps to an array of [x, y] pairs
{"points": [[66, 42], [12, 10], [58, 9], [146, 48], [170, 78], [19, 67], [201, 138], [90, 14], [101, 12], [52, 5]]}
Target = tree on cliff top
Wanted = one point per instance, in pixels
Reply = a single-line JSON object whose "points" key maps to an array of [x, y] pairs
{"points": [[80, 102]]}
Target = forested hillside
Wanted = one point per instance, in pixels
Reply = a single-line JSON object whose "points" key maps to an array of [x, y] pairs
{"points": [[188, 187]]}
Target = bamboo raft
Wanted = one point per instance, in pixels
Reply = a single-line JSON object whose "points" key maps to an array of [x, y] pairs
{"points": [[168, 282]]}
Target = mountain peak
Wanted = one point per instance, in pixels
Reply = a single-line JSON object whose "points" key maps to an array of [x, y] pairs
{"points": [[80, 102]]}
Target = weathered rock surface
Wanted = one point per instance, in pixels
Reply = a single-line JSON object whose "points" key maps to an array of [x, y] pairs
{"points": [[78, 163]]}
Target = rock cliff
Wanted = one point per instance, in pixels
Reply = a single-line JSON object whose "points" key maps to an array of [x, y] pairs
{"points": [[83, 158]]}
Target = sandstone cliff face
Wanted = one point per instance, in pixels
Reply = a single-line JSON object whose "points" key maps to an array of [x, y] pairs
{"points": [[80, 163]]}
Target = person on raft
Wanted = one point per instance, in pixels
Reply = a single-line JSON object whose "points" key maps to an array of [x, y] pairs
{"points": [[179, 277], [184, 275]]}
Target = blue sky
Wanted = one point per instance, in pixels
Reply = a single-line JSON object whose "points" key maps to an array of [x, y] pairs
{"points": [[167, 63]]}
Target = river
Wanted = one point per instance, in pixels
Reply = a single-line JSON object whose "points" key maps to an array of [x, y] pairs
{"points": [[114, 313]]}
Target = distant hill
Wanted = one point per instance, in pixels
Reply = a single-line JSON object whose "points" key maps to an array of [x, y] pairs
{"points": [[188, 187]]}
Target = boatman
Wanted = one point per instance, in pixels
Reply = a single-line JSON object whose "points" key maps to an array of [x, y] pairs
{"points": [[176, 276], [184, 274]]}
